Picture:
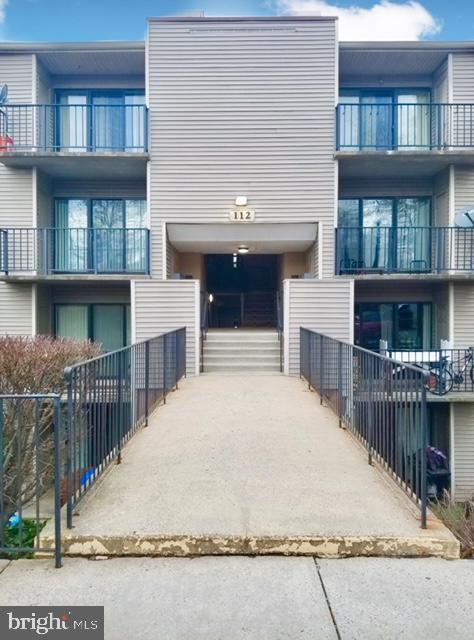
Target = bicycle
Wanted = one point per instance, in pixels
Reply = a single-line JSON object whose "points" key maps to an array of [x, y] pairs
{"points": [[443, 377]]}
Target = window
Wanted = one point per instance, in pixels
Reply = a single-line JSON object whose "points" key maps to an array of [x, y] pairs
{"points": [[404, 325], [384, 119], [100, 120], [108, 324], [384, 234], [104, 235]]}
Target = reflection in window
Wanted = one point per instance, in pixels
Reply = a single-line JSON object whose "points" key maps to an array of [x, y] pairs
{"points": [[401, 325]]}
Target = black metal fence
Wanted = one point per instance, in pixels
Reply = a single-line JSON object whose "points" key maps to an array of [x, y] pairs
{"points": [[109, 398], [30, 472], [382, 402], [404, 250], [54, 447]]}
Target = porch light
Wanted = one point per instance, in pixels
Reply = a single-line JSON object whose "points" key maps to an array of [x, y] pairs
{"points": [[211, 298], [241, 201], [243, 249]]}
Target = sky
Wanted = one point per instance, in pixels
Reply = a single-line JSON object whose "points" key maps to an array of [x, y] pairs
{"points": [[79, 20]]}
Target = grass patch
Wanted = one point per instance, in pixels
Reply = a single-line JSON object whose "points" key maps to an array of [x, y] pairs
{"points": [[459, 518], [21, 538]]}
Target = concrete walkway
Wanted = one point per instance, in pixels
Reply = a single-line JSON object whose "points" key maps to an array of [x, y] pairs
{"points": [[248, 464], [271, 598]]}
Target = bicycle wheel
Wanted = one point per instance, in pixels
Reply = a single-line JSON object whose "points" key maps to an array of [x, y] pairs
{"points": [[440, 385]]}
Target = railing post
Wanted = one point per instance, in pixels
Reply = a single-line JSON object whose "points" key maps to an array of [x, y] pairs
{"points": [[164, 368], [147, 381], [424, 447], [121, 382], [5, 252], [339, 381], [176, 353], [69, 447], [370, 429], [57, 482], [321, 370]]}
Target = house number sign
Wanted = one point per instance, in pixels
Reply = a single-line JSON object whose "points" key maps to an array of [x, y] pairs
{"points": [[242, 214]]}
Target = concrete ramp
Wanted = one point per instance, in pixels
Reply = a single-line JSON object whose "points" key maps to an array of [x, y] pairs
{"points": [[249, 464]]}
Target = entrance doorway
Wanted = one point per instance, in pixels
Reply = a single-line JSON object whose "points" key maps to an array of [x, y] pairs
{"points": [[244, 290]]}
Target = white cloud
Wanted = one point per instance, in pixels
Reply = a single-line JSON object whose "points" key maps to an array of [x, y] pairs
{"points": [[3, 4], [384, 20]]}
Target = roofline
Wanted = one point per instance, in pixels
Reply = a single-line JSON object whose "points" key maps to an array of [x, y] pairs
{"points": [[416, 45], [244, 19], [100, 45]]}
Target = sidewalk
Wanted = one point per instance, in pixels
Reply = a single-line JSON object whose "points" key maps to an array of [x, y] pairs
{"points": [[264, 598], [248, 464]]}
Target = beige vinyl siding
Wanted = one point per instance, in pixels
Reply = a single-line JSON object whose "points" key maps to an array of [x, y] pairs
{"points": [[91, 293], [44, 216], [16, 197], [170, 259], [99, 81], [441, 199], [323, 305], [16, 70], [378, 188], [463, 314], [440, 83], [463, 415], [463, 77], [165, 305], [463, 188], [16, 309], [242, 108], [99, 189]]}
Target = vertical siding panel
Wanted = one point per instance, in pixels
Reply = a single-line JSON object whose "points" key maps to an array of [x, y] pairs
{"points": [[322, 305], [463, 450], [463, 314], [166, 305], [16, 310]]}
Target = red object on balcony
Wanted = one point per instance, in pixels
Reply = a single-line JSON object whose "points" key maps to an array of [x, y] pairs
{"points": [[5, 143]]}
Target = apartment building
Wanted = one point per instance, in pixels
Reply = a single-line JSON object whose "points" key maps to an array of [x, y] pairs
{"points": [[246, 174]]}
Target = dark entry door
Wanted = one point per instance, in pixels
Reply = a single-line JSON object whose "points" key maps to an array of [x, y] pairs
{"points": [[243, 289]]}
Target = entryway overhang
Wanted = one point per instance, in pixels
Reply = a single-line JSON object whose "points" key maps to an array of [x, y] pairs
{"points": [[269, 238]]}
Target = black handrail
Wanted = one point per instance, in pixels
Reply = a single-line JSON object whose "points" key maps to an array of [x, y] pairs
{"points": [[380, 400]]}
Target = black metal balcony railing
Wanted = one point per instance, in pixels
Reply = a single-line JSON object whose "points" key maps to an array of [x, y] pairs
{"points": [[80, 128], [52, 251], [364, 250], [449, 370], [382, 401], [392, 126]]}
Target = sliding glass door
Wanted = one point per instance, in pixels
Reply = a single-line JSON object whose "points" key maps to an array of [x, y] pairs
{"points": [[384, 234], [403, 325], [103, 235], [100, 120], [376, 120], [107, 324]]}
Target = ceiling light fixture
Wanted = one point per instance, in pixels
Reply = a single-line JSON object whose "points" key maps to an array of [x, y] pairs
{"points": [[243, 249]]}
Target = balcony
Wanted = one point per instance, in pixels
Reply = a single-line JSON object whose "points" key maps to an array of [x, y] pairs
{"points": [[391, 139], [53, 136], [450, 371], [411, 127], [405, 250], [82, 251]]}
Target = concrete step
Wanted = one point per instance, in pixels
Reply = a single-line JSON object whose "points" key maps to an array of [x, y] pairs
{"points": [[232, 350], [253, 359], [209, 367]]}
